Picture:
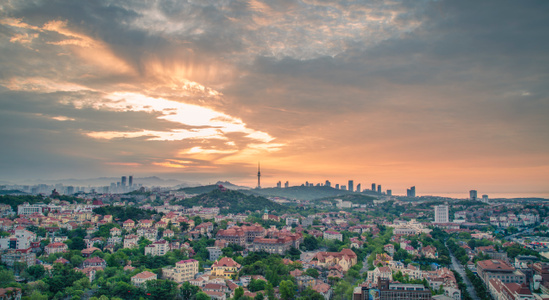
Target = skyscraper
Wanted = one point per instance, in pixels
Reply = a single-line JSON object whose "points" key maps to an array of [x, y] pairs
{"points": [[351, 186], [287, 184], [279, 184], [328, 183], [411, 192], [337, 186], [473, 195], [123, 181], [379, 189], [258, 176], [359, 188], [441, 214], [130, 181], [389, 192], [373, 187]]}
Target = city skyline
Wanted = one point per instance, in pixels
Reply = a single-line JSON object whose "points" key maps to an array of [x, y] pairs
{"points": [[443, 95]]}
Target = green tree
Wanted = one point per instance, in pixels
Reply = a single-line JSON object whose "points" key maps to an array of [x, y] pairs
{"points": [[312, 272], [35, 272], [257, 285], [287, 289], [36, 295], [162, 289], [6, 278], [188, 291], [202, 296], [238, 293]]}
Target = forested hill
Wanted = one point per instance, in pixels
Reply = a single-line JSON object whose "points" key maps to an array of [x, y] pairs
{"points": [[232, 202], [354, 198], [301, 192]]}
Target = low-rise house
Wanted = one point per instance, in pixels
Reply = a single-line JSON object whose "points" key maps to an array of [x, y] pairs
{"points": [[346, 258], [10, 293], [94, 262], [323, 289], [225, 268], [56, 248], [115, 231], [142, 278], [332, 235], [130, 241], [88, 251], [128, 224]]}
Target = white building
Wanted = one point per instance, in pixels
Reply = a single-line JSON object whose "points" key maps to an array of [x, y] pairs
{"points": [[184, 270], [441, 214], [21, 239], [157, 248], [332, 235]]}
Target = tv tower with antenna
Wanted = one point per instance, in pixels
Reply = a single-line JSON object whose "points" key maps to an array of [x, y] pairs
{"points": [[258, 175]]}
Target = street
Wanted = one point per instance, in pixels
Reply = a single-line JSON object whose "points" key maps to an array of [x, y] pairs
{"points": [[459, 268]]}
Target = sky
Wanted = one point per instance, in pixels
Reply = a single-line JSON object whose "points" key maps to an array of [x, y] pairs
{"points": [[446, 96]]}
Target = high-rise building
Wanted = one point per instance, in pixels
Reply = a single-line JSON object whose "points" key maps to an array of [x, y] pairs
{"points": [[70, 190], [337, 186], [473, 195], [328, 183], [411, 192], [484, 198], [130, 180], [123, 181], [287, 184], [389, 192], [441, 214], [359, 188], [379, 189], [343, 187], [373, 187], [306, 183], [279, 184], [351, 186]]}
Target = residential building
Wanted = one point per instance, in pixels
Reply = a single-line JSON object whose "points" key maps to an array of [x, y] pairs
{"points": [[10, 293], [225, 268], [499, 269], [11, 257], [56, 248], [142, 278], [509, 291], [128, 224], [392, 291], [130, 241], [158, 248], [184, 270], [215, 253], [345, 259], [441, 214], [272, 246], [332, 235], [94, 262]]}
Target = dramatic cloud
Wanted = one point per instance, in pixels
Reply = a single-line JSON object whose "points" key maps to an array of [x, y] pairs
{"points": [[444, 95]]}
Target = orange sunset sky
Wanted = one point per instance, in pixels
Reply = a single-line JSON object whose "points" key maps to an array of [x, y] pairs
{"points": [[444, 95]]}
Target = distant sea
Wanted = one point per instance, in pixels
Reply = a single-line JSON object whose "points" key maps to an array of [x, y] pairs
{"points": [[492, 196]]}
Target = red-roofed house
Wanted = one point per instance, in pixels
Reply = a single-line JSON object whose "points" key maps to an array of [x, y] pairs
{"points": [[56, 248], [94, 262], [128, 224], [225, 268], [141, 278]]}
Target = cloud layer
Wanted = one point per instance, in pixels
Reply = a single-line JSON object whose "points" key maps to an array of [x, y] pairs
{"points": [[444, 95]]}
